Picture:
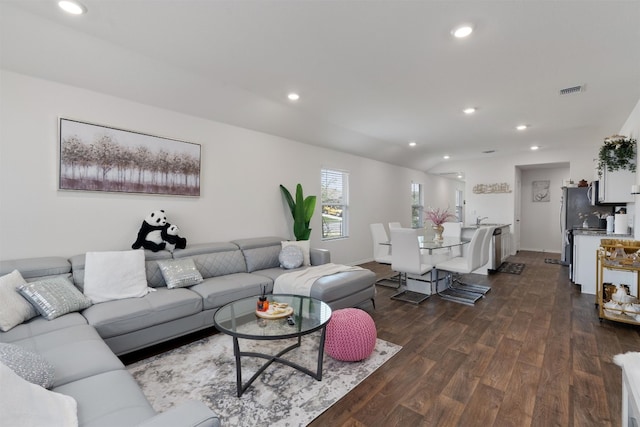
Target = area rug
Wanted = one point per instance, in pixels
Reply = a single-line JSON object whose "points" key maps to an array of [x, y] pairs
{"points": [[511, 268], [555, 261], [205, 370]]}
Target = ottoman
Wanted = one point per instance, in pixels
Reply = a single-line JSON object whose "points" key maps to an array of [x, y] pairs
{"points": [[351, 335]]}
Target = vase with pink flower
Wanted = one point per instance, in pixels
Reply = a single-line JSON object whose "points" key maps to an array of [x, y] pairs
{"points": [[438, 217]]}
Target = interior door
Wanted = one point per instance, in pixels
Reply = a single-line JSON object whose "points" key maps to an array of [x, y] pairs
{"points": [[516, 212]]}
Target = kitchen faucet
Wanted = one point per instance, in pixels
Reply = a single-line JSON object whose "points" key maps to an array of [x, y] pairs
{"points": [[479, 220]]}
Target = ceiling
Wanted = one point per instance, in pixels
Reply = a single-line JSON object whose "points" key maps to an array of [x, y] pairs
{"points": [[372, 75]]}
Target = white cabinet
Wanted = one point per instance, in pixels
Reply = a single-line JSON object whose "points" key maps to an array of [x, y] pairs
{"points": [[585, 250], [615, 187]]}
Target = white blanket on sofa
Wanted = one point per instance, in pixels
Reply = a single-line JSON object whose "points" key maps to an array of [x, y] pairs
{"points": [[299, 282]]}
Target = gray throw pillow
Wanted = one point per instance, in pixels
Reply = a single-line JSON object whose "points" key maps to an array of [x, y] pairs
{"points": [[291, 257], [54, 297], [180, 273], [28, 365]]}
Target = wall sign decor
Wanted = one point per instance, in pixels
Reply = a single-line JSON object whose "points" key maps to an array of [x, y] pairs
{"points": [[491, 188], [540, 190], [103, 158]]}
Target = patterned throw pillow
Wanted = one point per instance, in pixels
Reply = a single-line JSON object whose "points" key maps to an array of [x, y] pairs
{"points": [[14, 308], [180, 273], [28, 365], [304, 245], [291, 257], [54, 297]]}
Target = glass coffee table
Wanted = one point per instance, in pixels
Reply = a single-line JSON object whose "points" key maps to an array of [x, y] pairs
{"points": [[239, 319]]}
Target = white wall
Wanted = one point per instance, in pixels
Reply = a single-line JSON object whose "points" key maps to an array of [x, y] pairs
{"points": [[631, 128], [241, 171], [540, 221]]}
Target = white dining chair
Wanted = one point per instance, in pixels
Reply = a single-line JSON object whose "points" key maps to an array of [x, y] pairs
{"points": [[463, 265], [406, 259], [453, 229], [382, 253], [394, 225]]}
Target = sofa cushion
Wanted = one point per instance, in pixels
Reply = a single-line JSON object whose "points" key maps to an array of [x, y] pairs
{"points": [[39, 325], [217, 291], [122, 316], [214, 259], [27, 364], [75, 352], [260, 252], [291, 257], [54, 297], [153, 273], [108, 399], [115, 275], [341, 285], [36, 268], [25, 404], [180, 273], [14, 309], [304, 245]]}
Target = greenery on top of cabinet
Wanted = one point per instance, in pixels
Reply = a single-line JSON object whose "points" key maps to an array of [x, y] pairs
{"points": [[617, 152]]}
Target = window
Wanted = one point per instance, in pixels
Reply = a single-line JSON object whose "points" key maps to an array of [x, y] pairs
{"points": [[334, 189], [459, 203], [417, 206]]}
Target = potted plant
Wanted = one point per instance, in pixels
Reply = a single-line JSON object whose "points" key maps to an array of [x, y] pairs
{"points": [[438, 217], [302, 210], [617, 152]]}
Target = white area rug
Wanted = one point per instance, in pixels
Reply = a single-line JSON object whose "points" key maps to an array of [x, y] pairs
{"points": [[282, 396]]}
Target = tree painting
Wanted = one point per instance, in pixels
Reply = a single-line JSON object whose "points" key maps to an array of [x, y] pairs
{"points": [[99, 158]]}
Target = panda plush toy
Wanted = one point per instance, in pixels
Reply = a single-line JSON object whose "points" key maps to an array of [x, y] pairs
{"points": [[151, 231], [171, 239]]}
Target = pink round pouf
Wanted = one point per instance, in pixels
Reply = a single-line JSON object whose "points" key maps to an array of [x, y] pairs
{"points": [[351, 335]]}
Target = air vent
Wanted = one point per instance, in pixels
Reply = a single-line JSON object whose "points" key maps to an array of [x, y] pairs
{"points": [[488, 151], [574, 89]]}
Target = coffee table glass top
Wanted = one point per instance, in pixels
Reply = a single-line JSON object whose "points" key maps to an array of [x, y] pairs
{"points": [[239, 318]]}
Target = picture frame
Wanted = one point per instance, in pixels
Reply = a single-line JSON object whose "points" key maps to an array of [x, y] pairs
{"points": [[540, 191], [95, 157]]}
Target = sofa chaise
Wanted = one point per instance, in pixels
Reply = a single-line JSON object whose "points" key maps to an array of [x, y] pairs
{"points": [[83, 346]]}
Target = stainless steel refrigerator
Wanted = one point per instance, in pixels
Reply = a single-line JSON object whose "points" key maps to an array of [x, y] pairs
{"points": [[575, 208]]}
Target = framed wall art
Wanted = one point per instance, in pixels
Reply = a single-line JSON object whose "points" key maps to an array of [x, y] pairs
{"points": [[102, 158], [541, 191]]}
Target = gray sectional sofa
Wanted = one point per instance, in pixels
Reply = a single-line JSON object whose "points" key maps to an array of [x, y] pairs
{"points": [[82, 346]]}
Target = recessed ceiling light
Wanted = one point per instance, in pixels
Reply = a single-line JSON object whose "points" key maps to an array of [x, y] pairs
{"points": [[469, 110], [522, 127], [534, 147], [72, 7], [412, 144], [293, 96], [446, 157], [462, 31], [459, 176]]}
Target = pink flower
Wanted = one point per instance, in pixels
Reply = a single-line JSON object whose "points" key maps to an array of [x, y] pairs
{"points": [[438, 216]]}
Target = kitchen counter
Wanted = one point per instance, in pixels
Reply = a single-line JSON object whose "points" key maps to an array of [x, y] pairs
{"points": [[597, 232]]}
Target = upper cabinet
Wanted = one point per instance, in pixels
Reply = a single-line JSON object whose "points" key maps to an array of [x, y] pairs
{"points": [[615, 187]]}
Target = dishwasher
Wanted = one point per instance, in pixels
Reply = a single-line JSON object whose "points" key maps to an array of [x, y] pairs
{"points": [[497, 248]]}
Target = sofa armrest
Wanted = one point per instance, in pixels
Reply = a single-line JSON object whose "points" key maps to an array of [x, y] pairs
{"points": [[191, 413], [319, 256]]}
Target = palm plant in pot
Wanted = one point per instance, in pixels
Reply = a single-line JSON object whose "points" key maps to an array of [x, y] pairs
{"points": [[302, 210]]}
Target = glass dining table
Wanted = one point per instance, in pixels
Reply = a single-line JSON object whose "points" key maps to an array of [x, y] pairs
{"points": [[415, 290]]}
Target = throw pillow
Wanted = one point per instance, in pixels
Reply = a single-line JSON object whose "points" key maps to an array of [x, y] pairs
{"points": [[115, 275], [179, 273], [26, 404], [54, 297], [304, 245], [14, 308], [30, 366], [291, 257]]}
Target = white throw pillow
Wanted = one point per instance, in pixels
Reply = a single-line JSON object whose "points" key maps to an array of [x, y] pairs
{"points": [[29, 405], [14, 308], [115, 275], [304, 245]]}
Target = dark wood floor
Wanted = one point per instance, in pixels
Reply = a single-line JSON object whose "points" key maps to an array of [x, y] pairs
{"points": [[531, 353]]}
